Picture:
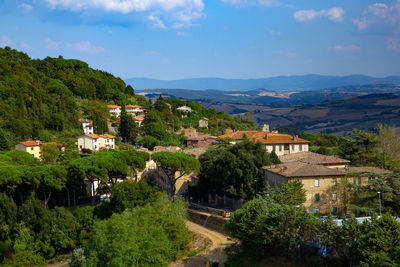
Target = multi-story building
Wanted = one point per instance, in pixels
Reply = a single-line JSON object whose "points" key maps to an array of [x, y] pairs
{"points": [[114, 110], [322, 178], [282, 144], [95, 142], [87, 126], [30, 146]]}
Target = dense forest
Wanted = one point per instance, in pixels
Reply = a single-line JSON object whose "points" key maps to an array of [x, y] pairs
{"points": [[39, 97]]}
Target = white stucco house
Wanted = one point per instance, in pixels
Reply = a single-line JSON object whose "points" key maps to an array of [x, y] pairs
{"points": [[96, 142]]}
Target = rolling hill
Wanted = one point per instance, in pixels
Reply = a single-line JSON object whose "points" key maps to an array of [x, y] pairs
{"points": [[279, 83]]}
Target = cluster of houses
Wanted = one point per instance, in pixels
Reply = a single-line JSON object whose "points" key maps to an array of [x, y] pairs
{"points": [[319, 174]]}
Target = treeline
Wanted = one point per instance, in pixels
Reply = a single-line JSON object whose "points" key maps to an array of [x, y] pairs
{"points": [[38, 97], [270, 229], [139, 227], [361, 148], [42, 217], [234, 171]]}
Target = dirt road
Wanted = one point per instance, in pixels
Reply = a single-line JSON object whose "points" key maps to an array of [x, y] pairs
{"points": [[215, 252]]}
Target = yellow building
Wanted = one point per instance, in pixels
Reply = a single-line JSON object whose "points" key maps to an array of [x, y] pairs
{"points": [[31, 146], [321, 177]]}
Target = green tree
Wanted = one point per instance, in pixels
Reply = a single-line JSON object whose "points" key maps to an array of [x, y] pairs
{"points": [[291, 193], [360, 149], [173, 162], [128, 195], [50, 153], [99, 114], [128, 128], [4, 141], [234, 170], [389, 147]]}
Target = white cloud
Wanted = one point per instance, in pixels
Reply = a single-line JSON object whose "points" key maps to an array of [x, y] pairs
{"points": [[347, 48], [393, 44], [380, 18], [273, 32], [5, 41], [333, 14], [181, 11], [291, 54], [50, 44], [157, 22], [25, 46], [180, 34], [85, 47], [25, 7], [265, 3]]}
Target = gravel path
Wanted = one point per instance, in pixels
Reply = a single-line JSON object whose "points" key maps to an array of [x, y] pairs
{"points": [[215, 252]]}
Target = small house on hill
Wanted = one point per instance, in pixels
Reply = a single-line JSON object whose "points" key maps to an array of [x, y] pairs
{"points": [[87, 126], [34, 147], [95, 142], [203, 123]]}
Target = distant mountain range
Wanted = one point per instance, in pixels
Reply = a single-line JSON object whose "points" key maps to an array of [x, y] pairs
{"points": [[279, 83], [269, 97]]}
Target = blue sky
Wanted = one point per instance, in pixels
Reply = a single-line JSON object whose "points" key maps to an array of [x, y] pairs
{"points": [[173, 39]]}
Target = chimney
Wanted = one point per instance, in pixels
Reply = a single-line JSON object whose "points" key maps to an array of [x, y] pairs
{"points": [[295, 137], [265, 128]]}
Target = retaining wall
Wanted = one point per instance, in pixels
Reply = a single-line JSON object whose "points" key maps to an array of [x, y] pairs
{"points": [[209, 221]]}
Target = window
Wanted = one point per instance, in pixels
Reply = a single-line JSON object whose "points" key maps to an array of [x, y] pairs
{"points": [[300, 181], [334, 181], [334, 196], [357, 180], [273, 148], [31, 148], [301, 147], [317, 197], [280, 147], [334, 209], [80, 147], [292, 147], [317, 182]]}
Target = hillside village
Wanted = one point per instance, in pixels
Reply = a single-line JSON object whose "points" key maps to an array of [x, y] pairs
{"points": [[90, 158]]}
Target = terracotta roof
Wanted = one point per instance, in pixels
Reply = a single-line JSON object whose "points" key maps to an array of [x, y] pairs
{"points": [[30, 143], [301, 169], [266, 138], [312, 158], [113, 106], [139, 118], [204, 118], [85, 120], [94, 136], [133, 106], [107, 136], [375, 170]]}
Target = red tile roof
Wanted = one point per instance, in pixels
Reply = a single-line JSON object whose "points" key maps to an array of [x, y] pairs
{"points": [[113, 106], [266, 138], [139, 118], [30, 143]]}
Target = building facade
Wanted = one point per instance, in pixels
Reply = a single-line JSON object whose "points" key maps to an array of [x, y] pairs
{"points": [[282, 144], [96, 142], [87, 126]]}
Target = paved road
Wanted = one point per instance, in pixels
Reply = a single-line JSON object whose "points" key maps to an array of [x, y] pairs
{"points": [[215, 252]]}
